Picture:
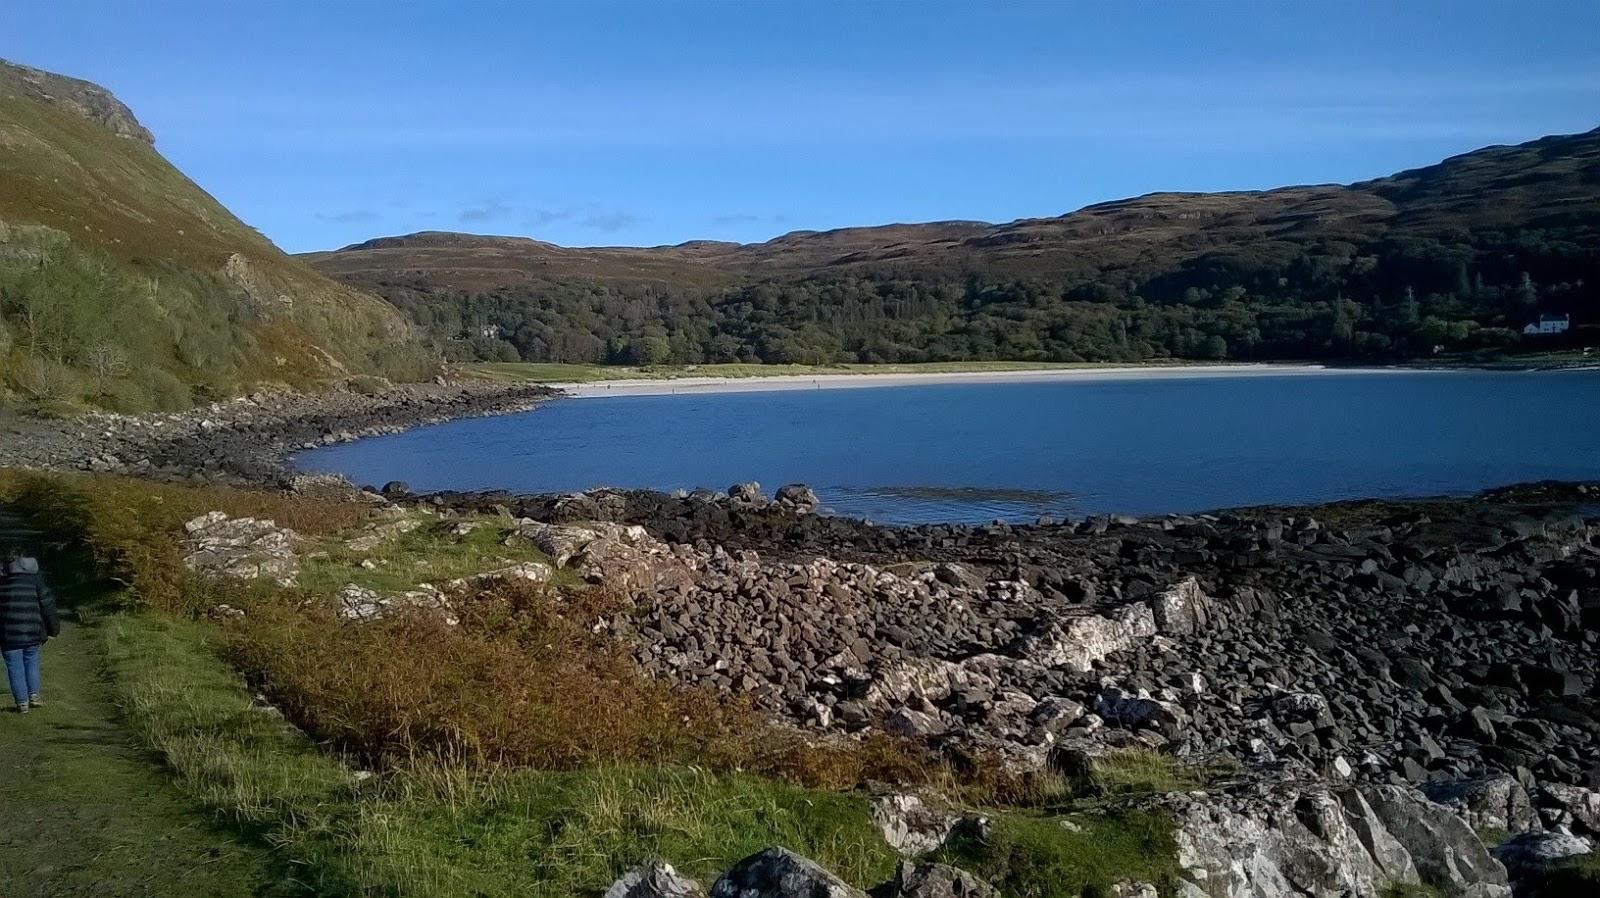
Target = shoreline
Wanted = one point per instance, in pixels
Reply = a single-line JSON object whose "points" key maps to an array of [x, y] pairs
{"points": [[853, 380], [249, 441], [252, 440]]}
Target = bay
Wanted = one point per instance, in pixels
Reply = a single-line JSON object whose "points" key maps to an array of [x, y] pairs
{"points": [[1016, 450]]}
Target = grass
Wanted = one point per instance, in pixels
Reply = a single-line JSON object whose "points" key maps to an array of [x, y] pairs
{"points": [[432, 830], [443, 830], [517, 753], [1147, 772], [1035, 856], [232, 754], [552, 372], [90, 815], [434, 552]]}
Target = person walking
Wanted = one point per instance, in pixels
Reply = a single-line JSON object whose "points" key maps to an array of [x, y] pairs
{"points": [[27, 618]]}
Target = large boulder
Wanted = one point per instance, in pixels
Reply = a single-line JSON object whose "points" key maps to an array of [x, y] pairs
{"points": [[1280, 840], [362, 604], [623, 556], [1573, 805], [1182, 609], [1139, 711], [559, 541], [780, 873], [1448, 853]]}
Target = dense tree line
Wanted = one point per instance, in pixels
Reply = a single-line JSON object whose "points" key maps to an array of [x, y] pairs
{"points": [[1394, 298]]}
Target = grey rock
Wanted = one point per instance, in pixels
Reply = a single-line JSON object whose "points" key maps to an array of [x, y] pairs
{"points": [[1495, 802], [937, 881], [1448, 854], [1534, 851], [748, 494], [219, 546], [912, 724], [1292, 840], [1578, 803], [654, 880], [909, 825], [780, 873], [797, 496]]}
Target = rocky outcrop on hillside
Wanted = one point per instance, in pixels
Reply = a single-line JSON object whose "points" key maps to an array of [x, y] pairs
{"points": [[82, 98], [222, 547]]}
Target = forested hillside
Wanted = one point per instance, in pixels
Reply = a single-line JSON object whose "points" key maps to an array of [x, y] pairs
{"points": [[124, 285], [1458, 256]]}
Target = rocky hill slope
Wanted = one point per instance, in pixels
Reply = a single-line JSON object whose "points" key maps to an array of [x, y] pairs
{"points": [[123, 284], [1462, 253]]}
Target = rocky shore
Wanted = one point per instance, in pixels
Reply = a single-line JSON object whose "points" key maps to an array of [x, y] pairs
{"points": [[1442, 650], [245, 441], [1403, 642], [1385, 682]]}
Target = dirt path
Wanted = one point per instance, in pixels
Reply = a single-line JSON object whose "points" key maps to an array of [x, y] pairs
{"points": [[83, 812]]}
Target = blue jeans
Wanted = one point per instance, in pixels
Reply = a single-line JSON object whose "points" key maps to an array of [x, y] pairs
{"points": [[22, 670]]}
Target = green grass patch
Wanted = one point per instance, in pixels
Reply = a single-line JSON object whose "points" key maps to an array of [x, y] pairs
{"points": [[234, 755], [436, 551], [565, 834], [1035, 856]]}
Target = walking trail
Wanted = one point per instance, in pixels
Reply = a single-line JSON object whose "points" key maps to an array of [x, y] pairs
{"points": [[86, 813]]}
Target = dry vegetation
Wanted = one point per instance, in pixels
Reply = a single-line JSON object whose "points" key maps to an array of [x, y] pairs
{"points": [[518, 752]]}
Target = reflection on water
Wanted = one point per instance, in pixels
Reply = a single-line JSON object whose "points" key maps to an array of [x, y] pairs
{"points": [[955, 504]]}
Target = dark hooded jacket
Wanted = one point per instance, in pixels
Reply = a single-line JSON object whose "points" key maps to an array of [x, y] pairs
{"points": [[27, 606]]}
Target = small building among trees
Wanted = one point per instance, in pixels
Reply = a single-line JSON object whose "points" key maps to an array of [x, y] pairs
{"points": [[1548, 325]]}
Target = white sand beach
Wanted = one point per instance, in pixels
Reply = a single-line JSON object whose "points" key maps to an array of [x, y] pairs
{"points": [[759, 384]]}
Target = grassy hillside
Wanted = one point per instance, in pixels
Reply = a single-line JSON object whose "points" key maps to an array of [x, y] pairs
{"points": [[1454, 257], [123, 284]]}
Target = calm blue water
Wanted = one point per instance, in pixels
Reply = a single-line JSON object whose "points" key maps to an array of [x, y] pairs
{"points": [[976, 452]]}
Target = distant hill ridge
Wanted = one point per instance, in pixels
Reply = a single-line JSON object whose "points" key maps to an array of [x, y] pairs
{"points": [[124, 284], [1557, 171], [1456, 255]]}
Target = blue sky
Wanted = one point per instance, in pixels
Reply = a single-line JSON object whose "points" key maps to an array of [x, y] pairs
{"points": [[645, 123]]}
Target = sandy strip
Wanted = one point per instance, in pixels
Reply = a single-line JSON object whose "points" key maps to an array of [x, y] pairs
{"points": [[706, 385]]}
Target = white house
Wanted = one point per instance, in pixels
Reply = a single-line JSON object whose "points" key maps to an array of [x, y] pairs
{"points": [[1547, 325]]}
